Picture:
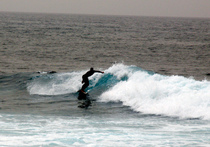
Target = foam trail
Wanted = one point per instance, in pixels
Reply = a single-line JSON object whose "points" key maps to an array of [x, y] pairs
{"points": [[162, 95]]}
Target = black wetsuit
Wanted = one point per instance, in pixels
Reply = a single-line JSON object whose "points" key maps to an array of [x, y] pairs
{"points": [[85, 78]]}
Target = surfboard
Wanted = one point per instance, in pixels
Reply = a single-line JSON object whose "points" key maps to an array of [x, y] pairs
{"points": [[85, 98], [82, 95], [85, 104]]}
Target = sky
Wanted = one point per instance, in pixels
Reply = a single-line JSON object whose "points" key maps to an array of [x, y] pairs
{"points": [[169, 8]]}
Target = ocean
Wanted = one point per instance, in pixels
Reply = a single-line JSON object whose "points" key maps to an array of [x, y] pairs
{"points": [[155, 90]]}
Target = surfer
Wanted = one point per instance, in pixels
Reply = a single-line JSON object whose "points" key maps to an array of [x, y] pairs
{"points": [[85, 78]]}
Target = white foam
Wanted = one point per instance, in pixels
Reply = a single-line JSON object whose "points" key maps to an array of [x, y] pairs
{"points": [[162, 95], [120, 70], [91, 130]]}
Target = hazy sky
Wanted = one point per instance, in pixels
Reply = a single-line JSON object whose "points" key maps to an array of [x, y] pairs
{"points": [[180, 8]]}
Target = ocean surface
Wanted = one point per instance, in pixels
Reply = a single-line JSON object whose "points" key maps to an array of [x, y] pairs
{"points": [[155, 90]]}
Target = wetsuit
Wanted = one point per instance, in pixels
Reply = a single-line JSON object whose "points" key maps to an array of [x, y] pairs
{"points": [[85, 78]]}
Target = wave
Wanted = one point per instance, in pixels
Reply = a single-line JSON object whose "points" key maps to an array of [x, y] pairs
{"points": [[143, 91]]}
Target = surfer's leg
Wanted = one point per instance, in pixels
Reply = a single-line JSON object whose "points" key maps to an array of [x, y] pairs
{"points": [[85, 85]]}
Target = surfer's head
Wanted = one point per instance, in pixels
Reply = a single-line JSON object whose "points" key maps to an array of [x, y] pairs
{"points": [[91, 68]]}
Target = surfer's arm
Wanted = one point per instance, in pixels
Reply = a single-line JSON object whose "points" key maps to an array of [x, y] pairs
{"points": [[98, 71]]}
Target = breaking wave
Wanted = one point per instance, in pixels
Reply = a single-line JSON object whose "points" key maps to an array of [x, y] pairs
{"points": [[143, 91]]}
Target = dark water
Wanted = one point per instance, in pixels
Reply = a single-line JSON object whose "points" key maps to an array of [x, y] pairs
{"points": [[155, 90], [40, 42]]}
